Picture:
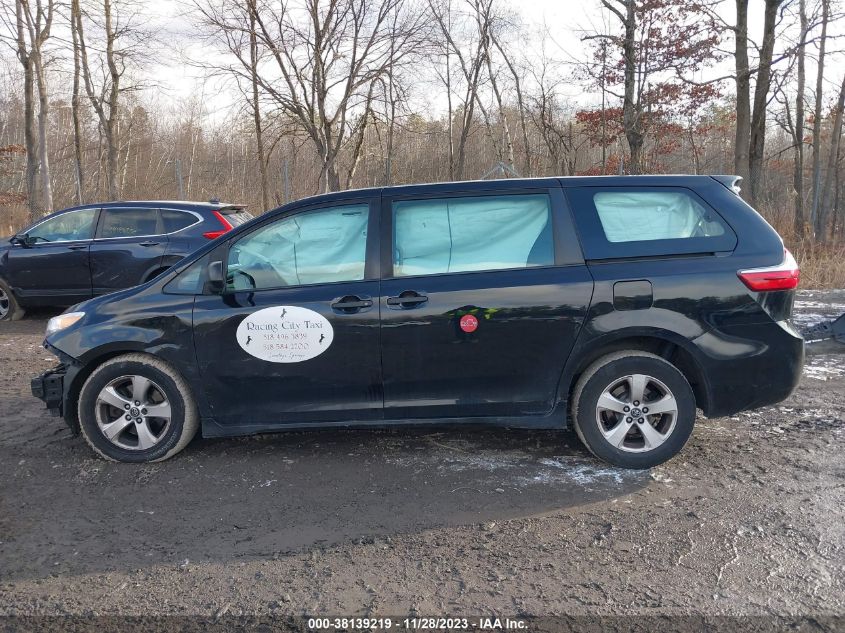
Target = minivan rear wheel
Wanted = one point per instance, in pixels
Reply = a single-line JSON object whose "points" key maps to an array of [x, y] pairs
{"points": [[633, 409], [137, 408], [9, 308]]}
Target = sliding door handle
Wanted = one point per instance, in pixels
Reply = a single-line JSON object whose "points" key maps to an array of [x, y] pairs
{"points": [[352, 304], [407, 299]]}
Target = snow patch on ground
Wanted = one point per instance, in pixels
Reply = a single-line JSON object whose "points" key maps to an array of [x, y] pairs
{"points": [[825, 366], [514, 469]]}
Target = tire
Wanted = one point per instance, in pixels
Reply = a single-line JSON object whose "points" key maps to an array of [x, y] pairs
{"points": [[616, 379], [124, 381], [10, 309]]}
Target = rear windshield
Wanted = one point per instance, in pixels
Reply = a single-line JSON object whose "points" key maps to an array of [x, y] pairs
{"points": [[236, 215]]}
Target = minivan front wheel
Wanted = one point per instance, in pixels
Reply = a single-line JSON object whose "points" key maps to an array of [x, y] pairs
{"points": [[9, 308], [137, 408], [633, 409]]}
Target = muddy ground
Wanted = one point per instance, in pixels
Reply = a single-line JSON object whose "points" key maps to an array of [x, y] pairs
{"points": [[748, 520]]}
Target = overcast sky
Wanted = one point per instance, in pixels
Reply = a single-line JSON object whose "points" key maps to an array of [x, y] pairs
{"points": [[566, 20]]}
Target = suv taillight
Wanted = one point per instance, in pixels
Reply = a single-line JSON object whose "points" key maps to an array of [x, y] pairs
{"points": [[212, 235], [784, 276]]}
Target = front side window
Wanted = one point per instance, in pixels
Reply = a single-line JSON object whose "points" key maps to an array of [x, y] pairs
{"points": [[449, 235], [129, 222], [67, 227], [313, 247], [636, 216]]}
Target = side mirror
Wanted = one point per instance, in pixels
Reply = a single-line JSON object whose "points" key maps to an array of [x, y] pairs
{"points": [[214, 275], [22, 240]]}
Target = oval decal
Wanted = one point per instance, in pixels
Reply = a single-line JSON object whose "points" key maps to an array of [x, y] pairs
{"points": [[285, 334]]}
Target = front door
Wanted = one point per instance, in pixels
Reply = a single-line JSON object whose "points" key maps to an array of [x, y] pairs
{"points": [[129, 247], [54, 269], [294, 338], [486, 297]]}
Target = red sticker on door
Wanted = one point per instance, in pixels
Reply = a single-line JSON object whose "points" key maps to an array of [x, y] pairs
{"points": [[469, 323]]}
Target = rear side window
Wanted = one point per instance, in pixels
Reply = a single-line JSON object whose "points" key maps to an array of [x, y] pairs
{"points": [[313, 247], [450, 235], [176, 220], [636, 216], [644, 221], [128, 222]]}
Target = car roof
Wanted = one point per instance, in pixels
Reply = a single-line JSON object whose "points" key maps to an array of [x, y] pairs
{"points": [[506, 184], [145, 204], [154, 204]]}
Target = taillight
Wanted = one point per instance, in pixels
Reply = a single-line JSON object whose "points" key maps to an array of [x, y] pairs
{"points": [[784, 276], [212, 235]]}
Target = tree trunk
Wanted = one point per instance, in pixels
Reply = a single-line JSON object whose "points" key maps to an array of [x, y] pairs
{"points": [[43, 123], [256, 112], [757, 142], [631, 115], [25, 57], [74, 103], [817, 116], [743, 92], [831, 173], [30, 143], [798, 137]]}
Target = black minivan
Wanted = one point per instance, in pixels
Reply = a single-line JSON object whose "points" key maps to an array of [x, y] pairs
{"points": [[618, 305], [82, 252]]}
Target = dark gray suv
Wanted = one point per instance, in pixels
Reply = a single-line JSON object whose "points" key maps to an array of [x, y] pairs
{"points": [[86, 251]]}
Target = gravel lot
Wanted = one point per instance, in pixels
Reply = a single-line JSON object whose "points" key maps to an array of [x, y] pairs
{"points": [[747, 520]]}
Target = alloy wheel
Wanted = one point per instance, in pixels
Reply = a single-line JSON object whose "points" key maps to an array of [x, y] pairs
{"points": [[133, 412], [5, 304], [636, 413]]}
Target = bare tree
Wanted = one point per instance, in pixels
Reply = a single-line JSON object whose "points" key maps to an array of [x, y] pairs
{"points": [[798, 134], [327, 58], [256, 109], [762, 86], [831, 175], [31, 26], [470, 64], [104, 74], [817, 114], [76, 97]]}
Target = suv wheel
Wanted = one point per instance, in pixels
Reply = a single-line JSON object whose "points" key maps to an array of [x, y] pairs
{"points": [[9, 308], [137, 408], [633, 409]]}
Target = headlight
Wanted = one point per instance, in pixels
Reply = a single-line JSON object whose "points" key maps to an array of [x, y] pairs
{"points": [[62, 322]]}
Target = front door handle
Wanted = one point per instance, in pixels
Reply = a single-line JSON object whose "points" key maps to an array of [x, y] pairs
{"points": [[148, 244], [78, 247], [352, 304], [407, 299]]}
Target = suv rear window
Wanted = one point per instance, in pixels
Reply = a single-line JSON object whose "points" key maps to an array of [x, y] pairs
{"points": [[449, 235], [646, 221], [236, 215]]}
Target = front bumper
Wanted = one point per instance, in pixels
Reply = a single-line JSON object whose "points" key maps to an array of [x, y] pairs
{"points": [[49, 387]]}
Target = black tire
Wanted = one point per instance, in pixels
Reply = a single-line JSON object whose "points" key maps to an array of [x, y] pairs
{"points": [[10, 310], [167, 386], [589, 420]]}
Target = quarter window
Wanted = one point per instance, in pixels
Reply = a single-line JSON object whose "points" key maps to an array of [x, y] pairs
{"points": [[176, 220], [129, 222], [451, 235], [314, 247], [636, 216], [67, 227]]}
